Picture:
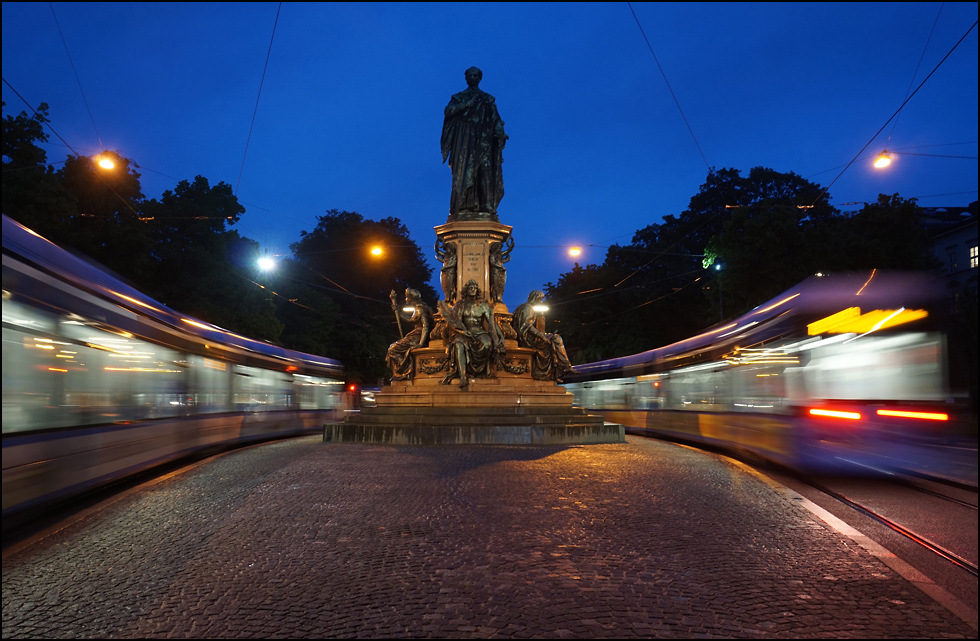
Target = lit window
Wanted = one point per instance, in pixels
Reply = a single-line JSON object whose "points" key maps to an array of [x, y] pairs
{"points": [[973, 257]]}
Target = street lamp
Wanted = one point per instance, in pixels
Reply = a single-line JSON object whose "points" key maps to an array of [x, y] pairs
{"points": [[574, 252], [885, 157], [267, 263]]}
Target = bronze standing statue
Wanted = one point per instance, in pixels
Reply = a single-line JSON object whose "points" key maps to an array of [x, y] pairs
{"points": [[550, 362], [446, 253], [499, 254], [473, 141], [400, 352], [474, 341]]}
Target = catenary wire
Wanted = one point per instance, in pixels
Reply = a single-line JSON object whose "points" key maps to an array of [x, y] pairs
{"points": [[77, 79], [919, 64], [667, 82], [256, 110]]}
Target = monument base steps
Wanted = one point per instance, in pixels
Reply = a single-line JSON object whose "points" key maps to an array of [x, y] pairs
{"points": [[489, 412]]}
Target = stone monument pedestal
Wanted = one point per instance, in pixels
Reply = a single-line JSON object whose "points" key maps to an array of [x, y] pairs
{"points": [[511, 409], [491, 412]]}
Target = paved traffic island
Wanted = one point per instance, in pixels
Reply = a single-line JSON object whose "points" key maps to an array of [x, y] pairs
{"points": [[307, 539]]}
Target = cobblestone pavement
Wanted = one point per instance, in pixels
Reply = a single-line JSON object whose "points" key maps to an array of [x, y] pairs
{"points": [[305, 539]]}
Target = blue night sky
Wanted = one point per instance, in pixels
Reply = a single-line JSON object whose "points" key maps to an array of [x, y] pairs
{"points": [[351, 107]]}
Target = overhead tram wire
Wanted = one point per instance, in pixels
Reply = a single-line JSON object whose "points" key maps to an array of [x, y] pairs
{"points": [[256, 110], [897, 111], [669, 88], [919, 64], [689, 129], [77, 79]]}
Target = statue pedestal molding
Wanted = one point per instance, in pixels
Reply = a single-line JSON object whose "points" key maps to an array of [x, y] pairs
{"points": [[473, 240]]}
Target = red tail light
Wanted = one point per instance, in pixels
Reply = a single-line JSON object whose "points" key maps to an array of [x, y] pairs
{"points": [[853, 416], [929, 416]]}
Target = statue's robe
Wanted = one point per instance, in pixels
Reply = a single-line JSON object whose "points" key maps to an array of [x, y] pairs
{"points": [[473, 140]]}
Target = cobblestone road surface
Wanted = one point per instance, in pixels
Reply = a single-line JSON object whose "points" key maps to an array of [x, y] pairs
{"points": [[305, 539]]}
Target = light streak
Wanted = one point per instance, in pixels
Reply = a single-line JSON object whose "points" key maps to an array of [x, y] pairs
{"points": [[836, 414], [931, 416]]}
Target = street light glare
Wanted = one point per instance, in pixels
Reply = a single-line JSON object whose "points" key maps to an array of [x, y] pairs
{"points": [[106, 163], [883, 160], [377, 250], [267, 263], [575, 251]]}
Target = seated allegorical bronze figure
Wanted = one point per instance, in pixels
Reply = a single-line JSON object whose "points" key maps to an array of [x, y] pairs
{"points": [[550, 362], [474, 341], [400, 352]]}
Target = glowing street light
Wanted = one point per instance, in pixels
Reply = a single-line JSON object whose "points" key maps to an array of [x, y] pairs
{"points": [[105, 162], [883, 160], [377, 250], [267, 263], [574, 252]]}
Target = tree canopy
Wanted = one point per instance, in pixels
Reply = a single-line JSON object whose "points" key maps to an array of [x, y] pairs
{"points": [[335, 257]]}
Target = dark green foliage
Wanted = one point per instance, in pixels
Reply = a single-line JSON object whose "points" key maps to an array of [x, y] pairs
{"points": [[886, 234], [201, 267], [32, 192], [335, 259]]}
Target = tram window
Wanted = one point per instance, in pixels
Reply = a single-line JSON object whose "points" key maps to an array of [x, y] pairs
{"points": [[758, 388], [313, 393], [212, 384], [905, 366], [705, 391], [260, 390]]}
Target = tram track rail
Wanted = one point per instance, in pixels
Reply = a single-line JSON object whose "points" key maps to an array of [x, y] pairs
{"points": [[951, 499], [923, 541]]}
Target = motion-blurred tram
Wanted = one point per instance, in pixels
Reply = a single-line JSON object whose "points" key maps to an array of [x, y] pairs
{"points": [[101, 382], [834, 375]]}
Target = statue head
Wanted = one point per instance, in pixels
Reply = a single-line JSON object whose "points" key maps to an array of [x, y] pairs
{"points": [[473, 287], [473, 77], [412, 295], [535, 297]]}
